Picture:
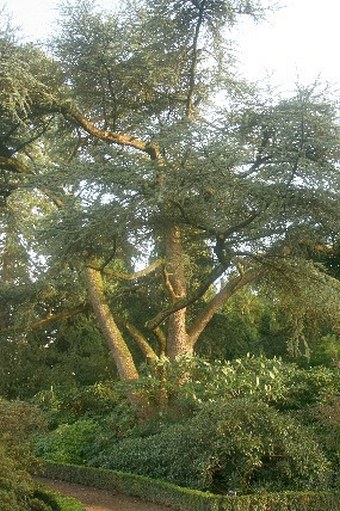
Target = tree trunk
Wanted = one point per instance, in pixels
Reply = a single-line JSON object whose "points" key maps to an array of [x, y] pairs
{"points": [[178, 342], [121, 354]]}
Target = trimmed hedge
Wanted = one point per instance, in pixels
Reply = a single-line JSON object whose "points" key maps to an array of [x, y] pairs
{"points": [[56, 501], [185, 499]]}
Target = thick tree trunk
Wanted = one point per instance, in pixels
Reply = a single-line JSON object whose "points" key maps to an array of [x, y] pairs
{"points": [[178, 342], [121, 354]]}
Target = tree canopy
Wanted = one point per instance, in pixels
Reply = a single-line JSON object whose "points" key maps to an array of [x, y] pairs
{"points": [[143, 183]]}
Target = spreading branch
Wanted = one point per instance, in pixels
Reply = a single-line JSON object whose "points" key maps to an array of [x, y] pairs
{"points": [[120, 139], [13, 165], [221, 297], [131, 276], [141, 341], [186, 300]]}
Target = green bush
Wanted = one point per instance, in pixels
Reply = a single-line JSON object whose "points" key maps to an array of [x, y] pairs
{"points": [[69, 443], [283, 385], [44, 498], [19, 423], [67, 405], [240, 445]]}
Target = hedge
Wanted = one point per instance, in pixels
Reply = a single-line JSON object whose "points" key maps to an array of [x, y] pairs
{"points": [[185, 499], [56, 501]]}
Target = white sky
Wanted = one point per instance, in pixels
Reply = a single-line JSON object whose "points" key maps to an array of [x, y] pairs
{"points": [[300, 42]]}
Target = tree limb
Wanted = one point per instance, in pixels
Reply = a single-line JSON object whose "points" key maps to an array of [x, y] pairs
{"points": [[132, 276], [108, 136], [186, 300], [62, 316], [13, 165], [222, 296], [143, 344]]}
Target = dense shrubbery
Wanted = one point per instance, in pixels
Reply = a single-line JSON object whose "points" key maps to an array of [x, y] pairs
{"points": [[19, 422], [248, 425], [240, 445]]}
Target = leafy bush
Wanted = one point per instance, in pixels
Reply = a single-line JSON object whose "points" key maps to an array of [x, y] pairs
{"points": [[67, 405], [273, 381], [19, 423], [53, 501], [69, 442], [229, 425], [240, 445]]}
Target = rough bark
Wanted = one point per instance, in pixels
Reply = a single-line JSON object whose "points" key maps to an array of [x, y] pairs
{"points": [[121, 354], [177, 339]]}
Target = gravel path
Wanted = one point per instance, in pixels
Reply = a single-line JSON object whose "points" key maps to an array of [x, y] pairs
{"points": [[100, 500]]}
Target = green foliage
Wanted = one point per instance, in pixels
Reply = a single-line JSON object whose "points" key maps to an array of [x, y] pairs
{"points": [[246, 424], [72, 356], [69, 442], [241, 445], [44, 499], [324, 419], [281, 384], [66, 405], [19, 422]]}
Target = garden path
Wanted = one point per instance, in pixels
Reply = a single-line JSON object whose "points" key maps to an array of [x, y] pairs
{"points": [[100, 500]]}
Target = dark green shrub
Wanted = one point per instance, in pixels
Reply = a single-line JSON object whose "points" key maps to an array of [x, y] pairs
{"points": [[67, 405], [19, 423], [46, 499], [240, 445]]}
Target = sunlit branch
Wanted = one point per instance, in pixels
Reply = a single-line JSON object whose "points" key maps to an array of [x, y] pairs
{"points": [[221, 297], [132, 276], [186, 300], [141, 341], [108, 136]]}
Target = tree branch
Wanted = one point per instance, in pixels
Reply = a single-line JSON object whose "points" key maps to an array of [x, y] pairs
{"points": [[132, 276], [186, 300], [62, 316], [143, 344], [112, 137], [222, 296], [193, 67], [13, 165]]}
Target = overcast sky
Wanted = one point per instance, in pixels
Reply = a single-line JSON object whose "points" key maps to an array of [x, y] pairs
{"points": [[300, 42]]}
